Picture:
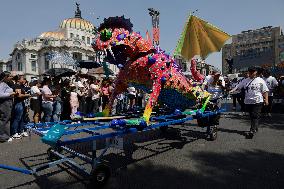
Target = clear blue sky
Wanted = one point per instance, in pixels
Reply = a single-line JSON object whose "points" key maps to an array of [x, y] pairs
{"points": [[29, 18]]}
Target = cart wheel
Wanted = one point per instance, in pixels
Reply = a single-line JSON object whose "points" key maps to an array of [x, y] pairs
{"points": [[213, 133], [164, 129], [129, 148], [100, 175], [142, 125], [50, 155]]}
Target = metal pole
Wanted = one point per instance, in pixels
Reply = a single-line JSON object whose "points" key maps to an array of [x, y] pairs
{"points": [[155, 24]]}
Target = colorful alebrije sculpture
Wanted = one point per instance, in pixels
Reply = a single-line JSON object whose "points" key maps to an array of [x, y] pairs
{"points": [[144, 67]]}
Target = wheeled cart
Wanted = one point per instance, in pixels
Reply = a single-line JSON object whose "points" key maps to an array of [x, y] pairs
{"points": [[61, 135]]}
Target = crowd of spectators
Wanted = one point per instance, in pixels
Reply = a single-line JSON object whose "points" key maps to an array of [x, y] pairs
{"points": [[55, 99]]}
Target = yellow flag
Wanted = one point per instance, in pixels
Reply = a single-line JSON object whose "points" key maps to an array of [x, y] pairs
{"points": [[200, 38]]}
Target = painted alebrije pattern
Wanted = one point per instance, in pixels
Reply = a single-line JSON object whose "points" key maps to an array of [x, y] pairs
{"points": [[146, 68], [195, 73]]}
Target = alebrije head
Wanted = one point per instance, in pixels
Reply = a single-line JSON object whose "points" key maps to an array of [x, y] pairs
{"points": [[116, 22]]}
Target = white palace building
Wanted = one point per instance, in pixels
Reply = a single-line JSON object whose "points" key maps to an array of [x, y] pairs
{"points": [[32, 57]]}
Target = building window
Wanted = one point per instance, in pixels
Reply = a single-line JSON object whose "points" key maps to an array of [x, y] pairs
{"points": [[77, 56], [88, 40], [33, 63], [33, 56], [9, 68], [46, 61], [91, 58], [18, 56], [20, 66], [71, 35], [83, 38], [46, 65], [77, 36]]}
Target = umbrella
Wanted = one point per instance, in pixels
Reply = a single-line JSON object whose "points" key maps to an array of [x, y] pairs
{"points": [[86, 75], [100, 71], [62, 58], [59, 72], [88, 64], [200, 38]]}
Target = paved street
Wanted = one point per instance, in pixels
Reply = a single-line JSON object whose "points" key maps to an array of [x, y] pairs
{"points": [[182, 158]]}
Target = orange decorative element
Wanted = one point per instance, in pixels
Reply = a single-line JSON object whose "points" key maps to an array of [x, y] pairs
{"points": [[54, 35], [148, 38], [156, 34], [77, 23]]}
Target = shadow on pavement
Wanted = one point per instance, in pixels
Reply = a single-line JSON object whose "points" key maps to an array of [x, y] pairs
{"points": [[248, 169], [47, 180], [243, 133], [138, 147], [160, 142], [274, 122]]}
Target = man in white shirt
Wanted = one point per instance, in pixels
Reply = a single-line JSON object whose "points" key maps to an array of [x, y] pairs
{"points": [[256, 93], [131, 96], [47, 100], [271, 83], [215, 85], [95, 93], [35, 101], [214, 80], [235, 95]]}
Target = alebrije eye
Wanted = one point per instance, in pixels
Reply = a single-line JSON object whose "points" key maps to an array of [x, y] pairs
{"points": [[121, 36], [105, 35], [151, 60]]}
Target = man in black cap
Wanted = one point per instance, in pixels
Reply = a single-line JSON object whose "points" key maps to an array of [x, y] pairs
{"points": [[256, 94]]}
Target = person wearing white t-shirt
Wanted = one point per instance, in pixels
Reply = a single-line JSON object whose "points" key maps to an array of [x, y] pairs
{"points": [[214, 79], [95, 93], [35, 102], [214, 84], [256, 93], [47, 100], [131, 96], [271, 83]]}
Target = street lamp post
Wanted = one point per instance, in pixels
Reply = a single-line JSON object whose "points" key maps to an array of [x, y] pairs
{"points": [[155, 24]]}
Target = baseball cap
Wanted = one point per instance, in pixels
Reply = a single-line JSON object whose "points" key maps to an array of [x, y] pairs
{"points": [[34, 79]]}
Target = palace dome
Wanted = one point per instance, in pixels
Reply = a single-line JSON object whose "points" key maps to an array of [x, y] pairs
{"points": [[52, 34], [77, 23]]}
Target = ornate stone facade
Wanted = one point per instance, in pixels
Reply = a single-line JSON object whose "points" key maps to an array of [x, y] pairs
{"points": [[74, 36]]}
